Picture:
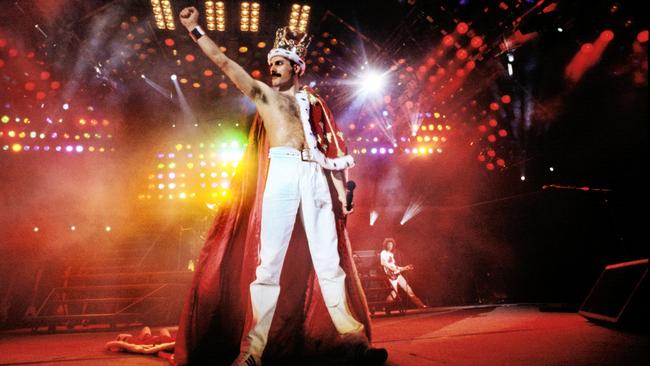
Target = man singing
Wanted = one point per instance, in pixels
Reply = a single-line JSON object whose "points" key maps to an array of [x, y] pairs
{"points": [[305, 151]]}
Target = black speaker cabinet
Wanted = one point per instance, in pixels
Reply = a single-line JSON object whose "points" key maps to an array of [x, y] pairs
{"points": [[619, 295]]}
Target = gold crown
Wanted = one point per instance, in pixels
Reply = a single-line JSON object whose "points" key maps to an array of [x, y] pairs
{"points": [[297, 43]]}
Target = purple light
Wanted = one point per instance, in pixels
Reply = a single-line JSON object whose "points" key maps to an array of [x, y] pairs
{"points": [[58, 148], [382, 150], [55, 135], [408, 151], [46, 148], [170, 155], [68, 148], [391, 151], [373, 150], [161, 155]]}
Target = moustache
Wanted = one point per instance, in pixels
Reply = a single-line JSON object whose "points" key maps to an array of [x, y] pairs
{"points": [[276, 74]]}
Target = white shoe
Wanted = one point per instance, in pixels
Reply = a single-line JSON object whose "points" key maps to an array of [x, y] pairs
{"points": [[247, 359]]}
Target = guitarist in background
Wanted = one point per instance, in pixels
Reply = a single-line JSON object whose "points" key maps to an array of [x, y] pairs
{"points": [[394, 273]]}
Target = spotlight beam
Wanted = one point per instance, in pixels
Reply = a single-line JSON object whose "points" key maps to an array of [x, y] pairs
{"points": [[162, 91], [414, 208], [185, 107]]}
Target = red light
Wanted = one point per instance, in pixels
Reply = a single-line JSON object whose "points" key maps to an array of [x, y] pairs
{"points": [[587, 47], [461, 54], [189, 57], [607, 35], [476, 42], [208, 72], [45, 75], [55, 85], [29, 86], [470, 65], [256, 74], [642, 37], [489, 166], [462, 28], [493, 122], [448, 41], [503, 133], [432, 79], [501, 163], [223, 86], [481, 157], [13, 52], [491, 153], [441, 71], [482, 128], [460, 73], [169, 42], [3, 42], [494, 106], [40, 95], [492, 138], [505, 99]]}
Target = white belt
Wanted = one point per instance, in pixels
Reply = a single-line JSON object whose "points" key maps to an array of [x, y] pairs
{"points": [[290, 152]]}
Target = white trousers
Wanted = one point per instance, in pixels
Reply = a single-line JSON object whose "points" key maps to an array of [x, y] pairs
{"points": [[295, 186], [401, 281]]}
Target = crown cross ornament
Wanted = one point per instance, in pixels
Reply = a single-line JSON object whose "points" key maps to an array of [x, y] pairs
{"points": [[293, 48]]}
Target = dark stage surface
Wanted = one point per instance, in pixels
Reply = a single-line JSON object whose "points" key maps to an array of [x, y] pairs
{"points": [[486, 335]]}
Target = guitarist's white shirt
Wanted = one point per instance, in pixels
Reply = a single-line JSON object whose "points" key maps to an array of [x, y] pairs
{"points": [[388, 262]]}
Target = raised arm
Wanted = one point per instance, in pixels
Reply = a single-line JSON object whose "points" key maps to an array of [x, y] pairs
{"points": [[252, 88]]}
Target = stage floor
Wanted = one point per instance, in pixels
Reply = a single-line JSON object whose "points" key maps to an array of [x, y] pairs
{"points": [[485, 335]]}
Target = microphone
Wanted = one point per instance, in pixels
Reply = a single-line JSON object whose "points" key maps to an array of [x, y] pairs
{"points": [[349, 195]]}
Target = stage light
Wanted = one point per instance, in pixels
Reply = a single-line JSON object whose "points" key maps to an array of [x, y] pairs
{"points": [[66, 106], [299, 18], [374, 215], [107, 228], [16, 147], [249, 17], [174, 77], [523, 178], [372, 82], [551, 169], [73, 228], [36, 229]]}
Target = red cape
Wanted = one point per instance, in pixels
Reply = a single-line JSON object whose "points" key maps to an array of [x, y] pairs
{"points": [[217, 313]]}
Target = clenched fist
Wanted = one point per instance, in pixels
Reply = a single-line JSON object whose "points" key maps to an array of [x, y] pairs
{"points": [[189, 17]]}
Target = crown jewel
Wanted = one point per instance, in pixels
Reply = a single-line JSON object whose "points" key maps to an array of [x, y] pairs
{"points": [[296, 43]]}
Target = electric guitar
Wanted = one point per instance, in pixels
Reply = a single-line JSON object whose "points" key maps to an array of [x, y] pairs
{"points": [[393, 274]]}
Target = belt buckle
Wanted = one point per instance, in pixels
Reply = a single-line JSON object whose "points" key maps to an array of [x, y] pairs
{"points": [[305, 155]]}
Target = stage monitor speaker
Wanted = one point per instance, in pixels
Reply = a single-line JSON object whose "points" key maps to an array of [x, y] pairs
{"points": [[619, 296]]}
